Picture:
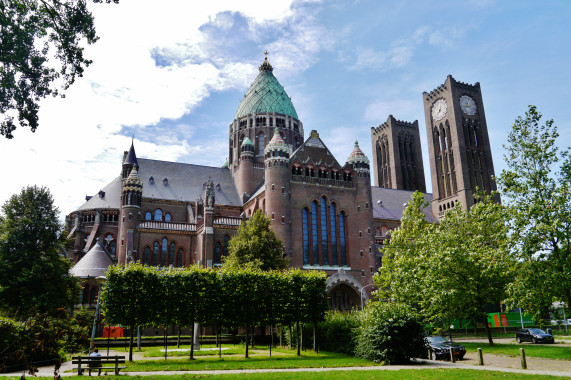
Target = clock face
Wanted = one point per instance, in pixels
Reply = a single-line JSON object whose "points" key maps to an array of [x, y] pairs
{"points": [[439, 109], [468, 105]]}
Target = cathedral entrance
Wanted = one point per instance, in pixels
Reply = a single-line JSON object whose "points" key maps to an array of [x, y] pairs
{"points": [[344, 298]]}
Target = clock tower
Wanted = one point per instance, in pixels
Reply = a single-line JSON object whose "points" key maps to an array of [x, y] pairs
{"points": [[458, 145]]}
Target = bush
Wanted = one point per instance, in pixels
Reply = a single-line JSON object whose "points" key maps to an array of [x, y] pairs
{"points": [[337, 332], [389, 333]]}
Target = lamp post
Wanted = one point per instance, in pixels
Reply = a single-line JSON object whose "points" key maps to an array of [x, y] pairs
{"points": [[100, 281], [361, 293]]}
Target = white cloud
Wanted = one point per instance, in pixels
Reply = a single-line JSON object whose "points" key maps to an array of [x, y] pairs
{"points": [[379, 110]]}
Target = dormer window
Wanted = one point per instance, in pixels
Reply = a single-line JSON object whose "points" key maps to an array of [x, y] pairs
{"points": [[151, 180], [101, 194], [165, 182]]}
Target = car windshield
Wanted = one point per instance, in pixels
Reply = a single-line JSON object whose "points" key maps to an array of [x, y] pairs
{"points": [[436, 339], [536, 331]]}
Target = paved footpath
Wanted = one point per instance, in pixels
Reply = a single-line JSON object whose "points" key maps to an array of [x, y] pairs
{"points": [[419, 365]]}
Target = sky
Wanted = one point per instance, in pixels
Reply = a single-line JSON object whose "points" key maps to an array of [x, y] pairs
{"points": [[172, 75]]}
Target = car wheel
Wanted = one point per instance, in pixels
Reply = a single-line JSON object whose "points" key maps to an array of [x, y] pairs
{"points": [[461, 357], [433, 355], [533, 341]]}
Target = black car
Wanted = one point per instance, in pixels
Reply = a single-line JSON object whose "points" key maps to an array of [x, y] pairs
{"points": [[440, 348], [533, 336]]}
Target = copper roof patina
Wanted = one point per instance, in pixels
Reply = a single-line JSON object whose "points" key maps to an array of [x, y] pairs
{"points": [[266, 94]]}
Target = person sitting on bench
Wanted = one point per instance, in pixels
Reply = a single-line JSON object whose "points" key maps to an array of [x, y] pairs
{"points": [[95, 362]]}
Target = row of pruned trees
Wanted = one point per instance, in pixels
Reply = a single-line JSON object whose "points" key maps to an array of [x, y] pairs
{"points": [[139, 296]]}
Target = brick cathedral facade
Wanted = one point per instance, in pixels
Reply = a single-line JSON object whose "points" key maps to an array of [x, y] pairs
{"points": [[326, 212]]}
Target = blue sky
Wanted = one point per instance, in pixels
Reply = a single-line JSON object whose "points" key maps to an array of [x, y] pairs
{"points": [[173, 76]]}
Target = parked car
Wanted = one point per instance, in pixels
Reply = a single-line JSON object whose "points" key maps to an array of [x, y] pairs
{"points": [[440, 348], [533, 336], [562, 322]]}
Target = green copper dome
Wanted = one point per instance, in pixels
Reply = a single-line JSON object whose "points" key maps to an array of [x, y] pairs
{"points": [[266, 94]]}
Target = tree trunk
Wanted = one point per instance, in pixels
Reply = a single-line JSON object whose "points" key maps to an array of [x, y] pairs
{"points": [[132, 332], [178, 338], [290, 336], [489, 332], [281, 330], [298, 339], [272, 339], [315, 337], [192, 341], [219, 335], [247, 335], [166, 344]]}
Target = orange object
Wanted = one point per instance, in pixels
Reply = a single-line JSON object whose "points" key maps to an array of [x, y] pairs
{"points": [[112, 332]]}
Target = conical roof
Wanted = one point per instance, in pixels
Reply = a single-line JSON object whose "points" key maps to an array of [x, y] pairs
{"points": [[357, 155], [266, 94], [131, 156], [93, 264], [247, 141], [277, 142]]}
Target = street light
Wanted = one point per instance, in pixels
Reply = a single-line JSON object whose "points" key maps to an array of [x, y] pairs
{"points": [[100, 281], [363, 288]]}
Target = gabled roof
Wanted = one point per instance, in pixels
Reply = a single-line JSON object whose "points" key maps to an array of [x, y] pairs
{"points": [[93, 264], [266, 94], [314, 149], [390, 203]]}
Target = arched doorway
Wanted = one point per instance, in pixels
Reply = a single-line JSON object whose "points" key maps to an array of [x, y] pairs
{"points": [[343, 298]]}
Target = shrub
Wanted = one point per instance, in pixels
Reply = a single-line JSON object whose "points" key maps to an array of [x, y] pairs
{"points": [[389, 333], [337, 332]]}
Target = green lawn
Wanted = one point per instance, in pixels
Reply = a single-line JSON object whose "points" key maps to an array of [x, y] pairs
{"points": [[281, 358], [429, 374], [228, 350], [547, 351]]}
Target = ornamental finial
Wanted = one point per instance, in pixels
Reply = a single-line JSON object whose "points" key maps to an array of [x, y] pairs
{"points": [[266, 54]]}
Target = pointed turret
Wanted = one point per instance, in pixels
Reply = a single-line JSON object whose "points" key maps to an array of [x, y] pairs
{"points": [[358, 161], [129, 159]]}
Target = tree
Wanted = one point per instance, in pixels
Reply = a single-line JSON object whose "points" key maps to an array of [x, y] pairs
{"points": [[32, 32], [453, 270], [34, 275], [538, 196], [256, 246]]}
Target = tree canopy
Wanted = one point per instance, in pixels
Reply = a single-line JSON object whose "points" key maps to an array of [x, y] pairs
{"points": [[256, 246], [452, 270], [34, 34], [536, 189], [33, 272]]}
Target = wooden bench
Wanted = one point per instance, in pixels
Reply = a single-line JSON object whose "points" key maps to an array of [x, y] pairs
{"points": [[97, 363]]}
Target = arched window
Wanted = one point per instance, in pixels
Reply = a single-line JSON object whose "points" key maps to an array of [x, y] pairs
{"points": [[93, 295], [168, 217], [225, 247], [148, 216], [261, 143], [158, 214], [155, 259], [305, 228], [164, 253], [172, 253], [342, 221], [315, 242], [324, 246], [147, 256], [217, 253], [110, 244], [179, 257], [333, 226], [295, 143]]}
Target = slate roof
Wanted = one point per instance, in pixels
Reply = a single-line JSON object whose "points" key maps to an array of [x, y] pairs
{"points": [[185, 182], [393, 203], [111, 199], [93, 264], [266, 94]]}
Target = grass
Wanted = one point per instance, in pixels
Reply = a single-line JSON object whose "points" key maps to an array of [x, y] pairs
{"points": [[461, 374], [156, 351], [547, 351], [259, 359]]}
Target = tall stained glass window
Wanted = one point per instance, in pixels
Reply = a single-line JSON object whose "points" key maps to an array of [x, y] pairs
{"points": [[179, 258], [324, 246], [315, 242], [217, 253], [334, 259], [171, 253], [342, 221], [155, 260], [147, 256], [226, 243], [164, 253], [305, 228]]}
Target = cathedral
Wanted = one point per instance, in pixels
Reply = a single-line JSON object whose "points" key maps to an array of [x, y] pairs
{"points": [[327, 213]]}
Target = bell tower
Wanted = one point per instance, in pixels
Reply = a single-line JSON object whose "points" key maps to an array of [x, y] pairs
{"points": [[458, 145]]}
